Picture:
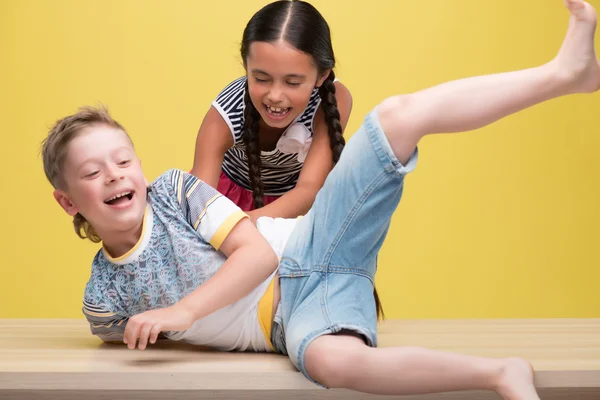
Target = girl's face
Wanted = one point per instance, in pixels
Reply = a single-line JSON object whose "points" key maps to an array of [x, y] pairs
{"points": [[280, 81]]}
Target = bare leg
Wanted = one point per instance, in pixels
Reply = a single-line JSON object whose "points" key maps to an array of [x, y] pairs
{"points": [[346, 362], [467, 104], [475, 102]]}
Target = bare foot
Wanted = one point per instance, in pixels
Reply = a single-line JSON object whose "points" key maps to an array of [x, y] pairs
{"points": [[576, 61], [516, 381]]}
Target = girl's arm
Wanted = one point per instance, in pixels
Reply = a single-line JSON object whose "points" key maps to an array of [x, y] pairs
{"points": [[316, 167], [214, 139]]}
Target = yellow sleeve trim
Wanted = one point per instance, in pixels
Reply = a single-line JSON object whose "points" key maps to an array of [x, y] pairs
{"points": [[265, 312], [226, 227]]}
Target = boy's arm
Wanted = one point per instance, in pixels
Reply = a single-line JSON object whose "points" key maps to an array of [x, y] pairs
{"points": [[106, 325], [250, 260]]}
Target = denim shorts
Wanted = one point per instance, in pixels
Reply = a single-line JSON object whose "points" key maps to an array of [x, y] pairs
{"points": [[328, 265]]}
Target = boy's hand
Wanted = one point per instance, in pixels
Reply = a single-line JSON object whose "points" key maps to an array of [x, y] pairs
{"points": [[146, 326]]}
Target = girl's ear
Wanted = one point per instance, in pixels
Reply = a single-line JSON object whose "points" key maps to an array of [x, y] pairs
{"points": [[323, 77]]}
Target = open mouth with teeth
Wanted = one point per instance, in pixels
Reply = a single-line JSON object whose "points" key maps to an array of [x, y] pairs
{"points": [[119, 199], [277, 112]]}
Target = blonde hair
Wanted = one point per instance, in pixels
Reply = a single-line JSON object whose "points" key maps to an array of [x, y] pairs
{"points": [[54, 152]]}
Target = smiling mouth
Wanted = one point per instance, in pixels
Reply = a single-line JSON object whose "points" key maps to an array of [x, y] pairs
{"points": [[277, 112], [120, 198]]}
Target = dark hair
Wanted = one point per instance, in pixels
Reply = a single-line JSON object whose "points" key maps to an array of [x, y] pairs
{"points": [[301, 25]]}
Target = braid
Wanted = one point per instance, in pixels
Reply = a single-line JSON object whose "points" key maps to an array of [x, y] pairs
{"points": [[251, 140], [378, 305], [332, 117]]}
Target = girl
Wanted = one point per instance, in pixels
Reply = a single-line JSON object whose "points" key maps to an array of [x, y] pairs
{"points": [[324, 312], [271, 137]]}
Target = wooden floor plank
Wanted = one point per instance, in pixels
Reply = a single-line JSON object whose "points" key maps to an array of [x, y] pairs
{"points": [[60, 359]]}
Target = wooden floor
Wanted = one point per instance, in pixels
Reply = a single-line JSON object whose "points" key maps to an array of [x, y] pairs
{"points": [[60, 359]]}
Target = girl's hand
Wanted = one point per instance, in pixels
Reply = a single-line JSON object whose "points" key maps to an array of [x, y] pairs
{"points": [[146, 326]]}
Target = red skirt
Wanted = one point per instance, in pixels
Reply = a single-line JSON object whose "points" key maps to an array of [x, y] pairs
{"points": [[240, 196]]}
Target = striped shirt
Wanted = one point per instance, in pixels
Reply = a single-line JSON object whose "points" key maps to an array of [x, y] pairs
{"points": [[279, 171]]}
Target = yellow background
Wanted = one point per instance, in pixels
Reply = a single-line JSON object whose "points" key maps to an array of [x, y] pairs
{"points": [[501, 222]]}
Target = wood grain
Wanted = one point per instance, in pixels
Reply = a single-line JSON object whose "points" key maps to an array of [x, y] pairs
{"points": [[49, 359]]}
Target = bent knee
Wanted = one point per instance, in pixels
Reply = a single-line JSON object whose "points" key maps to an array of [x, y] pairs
{"points": [[400, 125], [331, 360]]}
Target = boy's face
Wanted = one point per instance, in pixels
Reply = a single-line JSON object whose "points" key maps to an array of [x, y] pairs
{"points": [[104, 181]]}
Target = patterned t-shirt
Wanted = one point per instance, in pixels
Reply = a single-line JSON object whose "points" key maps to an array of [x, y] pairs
{"points": [[185, 223]]}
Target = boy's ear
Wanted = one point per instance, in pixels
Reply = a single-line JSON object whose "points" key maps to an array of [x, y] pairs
{"points": [[63, 199]]}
